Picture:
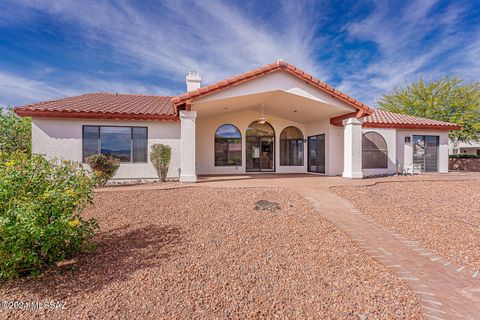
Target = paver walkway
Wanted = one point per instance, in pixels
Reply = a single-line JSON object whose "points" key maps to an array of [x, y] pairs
{"points": [[444, 290]]}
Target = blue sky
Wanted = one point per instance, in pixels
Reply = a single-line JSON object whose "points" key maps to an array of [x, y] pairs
{"points": [[50, 49]]}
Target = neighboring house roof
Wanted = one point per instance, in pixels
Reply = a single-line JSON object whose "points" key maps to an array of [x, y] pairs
{"points": [[104, 105], [386, 119], [260, 72]]}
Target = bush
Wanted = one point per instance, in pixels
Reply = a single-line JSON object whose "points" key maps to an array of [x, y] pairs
{"points": [[464, 156], [40, 206], [160, 157], [104, 167], [15, 132]]}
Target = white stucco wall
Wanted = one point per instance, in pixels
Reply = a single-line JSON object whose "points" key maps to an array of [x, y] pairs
{"points": [[205, 142], [62, 138], [405, 150], [390, 136]]}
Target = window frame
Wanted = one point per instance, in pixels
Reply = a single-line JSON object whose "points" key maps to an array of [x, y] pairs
{"points": [[100, 141], [379, 150], [215, 146], [302, 139]]}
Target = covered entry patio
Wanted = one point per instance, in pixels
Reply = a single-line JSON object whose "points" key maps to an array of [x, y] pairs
{"points": [[273, 123]]}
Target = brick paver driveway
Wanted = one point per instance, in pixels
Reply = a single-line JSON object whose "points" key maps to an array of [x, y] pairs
{"points": [[445, 290]]}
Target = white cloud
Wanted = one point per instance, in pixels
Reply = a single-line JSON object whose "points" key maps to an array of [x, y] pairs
{"points": [[405, 52], [17, 90], [219, 39], [213, 37]]}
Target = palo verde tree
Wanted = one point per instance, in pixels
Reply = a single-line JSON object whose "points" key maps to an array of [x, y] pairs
{"points": [[450, 99]]}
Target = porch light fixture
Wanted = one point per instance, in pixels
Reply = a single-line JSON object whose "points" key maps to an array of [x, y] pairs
{"points": [[262, 118]]}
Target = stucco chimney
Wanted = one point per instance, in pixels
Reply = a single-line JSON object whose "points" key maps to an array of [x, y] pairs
{"points": [[193, 80]]}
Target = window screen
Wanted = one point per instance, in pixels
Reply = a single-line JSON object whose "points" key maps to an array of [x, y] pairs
{"points": [[374, 151]]}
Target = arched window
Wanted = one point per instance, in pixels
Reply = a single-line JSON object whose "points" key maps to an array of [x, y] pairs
{"points": [[291, 147], [374, 151], [228, 146]]}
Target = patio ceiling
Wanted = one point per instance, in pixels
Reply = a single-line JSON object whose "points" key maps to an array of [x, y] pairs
{"points": [[282, 104]]}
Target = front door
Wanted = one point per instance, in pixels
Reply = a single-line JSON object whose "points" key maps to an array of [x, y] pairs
{"points": [[260, 147], [260, 154], [316, 153]]}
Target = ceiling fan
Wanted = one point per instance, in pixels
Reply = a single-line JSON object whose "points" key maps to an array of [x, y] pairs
{"points": [[262, 118]]}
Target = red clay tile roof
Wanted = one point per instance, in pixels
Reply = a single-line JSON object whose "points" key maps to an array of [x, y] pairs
{"points": [[386, 119], [259, 72], [144, 107], [104, 105]]}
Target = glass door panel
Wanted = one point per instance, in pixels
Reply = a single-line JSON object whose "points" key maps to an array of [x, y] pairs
{"points": [[431, 153], [419, 152], [266, 154], [260, 154], [425, 153], [253, 154], [316, 153]]}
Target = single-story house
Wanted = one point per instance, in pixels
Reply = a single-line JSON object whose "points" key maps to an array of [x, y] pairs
{"points": [[276, 118]]}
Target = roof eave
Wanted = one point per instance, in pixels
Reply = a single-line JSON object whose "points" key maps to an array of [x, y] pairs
{"points": [[447, 127], [93, 115]]}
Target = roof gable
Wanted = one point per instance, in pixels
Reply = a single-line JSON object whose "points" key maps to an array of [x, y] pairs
{"points": [[182, 101]]}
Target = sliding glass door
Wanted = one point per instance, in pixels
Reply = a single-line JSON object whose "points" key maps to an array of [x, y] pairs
{"points": [[425, 153], [316, 153]]}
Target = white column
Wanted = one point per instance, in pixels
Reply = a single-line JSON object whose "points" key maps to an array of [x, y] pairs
{"points": [[187, 132], [352, 144]]}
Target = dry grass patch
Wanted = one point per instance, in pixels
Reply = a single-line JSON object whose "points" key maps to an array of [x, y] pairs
{"points": [[207, 253]]}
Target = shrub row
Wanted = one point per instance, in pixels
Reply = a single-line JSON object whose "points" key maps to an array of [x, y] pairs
{"points": [[464, 156]]}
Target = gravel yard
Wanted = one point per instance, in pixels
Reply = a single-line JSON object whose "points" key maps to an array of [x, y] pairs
{"points": [[442, 215], [207, 253]]}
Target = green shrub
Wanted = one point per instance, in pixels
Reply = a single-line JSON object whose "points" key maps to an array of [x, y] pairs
{"points": [[464, 156], [40, 206], [15, 132], [160, 157], [104, 167]]}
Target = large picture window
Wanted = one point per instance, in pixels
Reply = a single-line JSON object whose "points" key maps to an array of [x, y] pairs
{"points": [[374, 151], [228, 146], [291, 147], [128, 144]]}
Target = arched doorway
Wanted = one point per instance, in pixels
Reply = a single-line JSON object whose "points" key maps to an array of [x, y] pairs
{"points": [[260, 147]]}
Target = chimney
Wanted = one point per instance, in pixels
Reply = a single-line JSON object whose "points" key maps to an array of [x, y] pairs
{"points": [[193, 81]]}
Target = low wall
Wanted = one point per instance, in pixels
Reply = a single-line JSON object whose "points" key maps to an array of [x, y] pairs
{"points": [[464, 164]]}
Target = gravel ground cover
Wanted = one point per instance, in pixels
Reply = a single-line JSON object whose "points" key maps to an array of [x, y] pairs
{"points": [[442, 215], [211, 253]]}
